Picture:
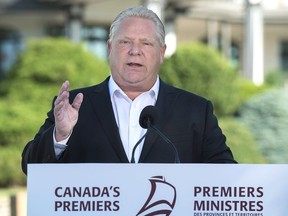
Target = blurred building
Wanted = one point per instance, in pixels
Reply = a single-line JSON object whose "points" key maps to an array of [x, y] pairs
{"points": [[253, 34]]}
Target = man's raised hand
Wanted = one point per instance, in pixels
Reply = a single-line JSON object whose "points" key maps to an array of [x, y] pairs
{"points": [[66, 114]]}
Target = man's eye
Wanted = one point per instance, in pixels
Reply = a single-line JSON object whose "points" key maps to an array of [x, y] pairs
{"points": [[147, 44], [124, 42]]}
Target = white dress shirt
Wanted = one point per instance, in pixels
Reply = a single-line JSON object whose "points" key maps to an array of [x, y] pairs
{"points": [[126, 112]]}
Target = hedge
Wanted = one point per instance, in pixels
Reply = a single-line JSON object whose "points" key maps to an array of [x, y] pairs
{"points": [[266, 115], [241, 141], [197, 68]]}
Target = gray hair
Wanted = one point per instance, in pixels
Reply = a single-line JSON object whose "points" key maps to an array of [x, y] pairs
{"points": [[141, 12]]}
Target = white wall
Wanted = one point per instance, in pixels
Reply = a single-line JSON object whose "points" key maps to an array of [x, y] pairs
{"points": [[274, 34], [30, 25]]}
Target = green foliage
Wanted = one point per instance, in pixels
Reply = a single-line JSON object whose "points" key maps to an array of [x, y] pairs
{"points": [[53, 61], [26, 94], [202, 70], [248, 89], [275, 78], [241, 142], [10, 167], [267, 117]]}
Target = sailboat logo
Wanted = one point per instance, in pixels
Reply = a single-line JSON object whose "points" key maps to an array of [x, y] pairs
{"points": [[161, 200]]}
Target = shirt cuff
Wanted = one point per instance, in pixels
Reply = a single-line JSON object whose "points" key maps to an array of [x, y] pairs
{"points": [[60, 146]]}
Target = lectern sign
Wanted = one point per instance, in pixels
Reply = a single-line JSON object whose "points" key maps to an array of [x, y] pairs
{"points": [[157, 189]]}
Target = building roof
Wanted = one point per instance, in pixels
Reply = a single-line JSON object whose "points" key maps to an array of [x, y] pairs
{"points": [[275, 11]]}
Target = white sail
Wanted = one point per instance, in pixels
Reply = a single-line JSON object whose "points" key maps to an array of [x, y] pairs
{"points": [[161, 200]]}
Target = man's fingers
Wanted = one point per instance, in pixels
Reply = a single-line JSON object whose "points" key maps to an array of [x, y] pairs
{"points": [[77, 101], [63, 93], [63, 98], [58, 107], [64, 87]]}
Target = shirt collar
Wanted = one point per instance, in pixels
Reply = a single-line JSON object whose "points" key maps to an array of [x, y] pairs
{"points": [[113, 87]]}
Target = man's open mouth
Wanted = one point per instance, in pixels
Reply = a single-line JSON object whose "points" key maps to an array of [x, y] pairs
{"points": [[131, 64]]}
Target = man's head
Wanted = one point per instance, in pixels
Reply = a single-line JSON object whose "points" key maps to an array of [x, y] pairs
{"points": [[136, 49], [141, 12]]}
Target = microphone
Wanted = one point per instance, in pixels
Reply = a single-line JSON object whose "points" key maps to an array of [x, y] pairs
{"points": [[147, 120], [148, 116]]}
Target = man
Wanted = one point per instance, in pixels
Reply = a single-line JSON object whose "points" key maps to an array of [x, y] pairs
{"points": [[100, 124]]}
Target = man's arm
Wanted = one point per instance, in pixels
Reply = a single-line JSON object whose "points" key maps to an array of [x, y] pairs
{"points": [[215, 148], [60, 122], [40, 149]]}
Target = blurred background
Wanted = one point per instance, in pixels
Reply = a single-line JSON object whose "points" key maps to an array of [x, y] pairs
{"points": [[233, 52]]}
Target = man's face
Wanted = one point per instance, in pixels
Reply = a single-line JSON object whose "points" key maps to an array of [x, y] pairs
{"points": [[135, 55]]}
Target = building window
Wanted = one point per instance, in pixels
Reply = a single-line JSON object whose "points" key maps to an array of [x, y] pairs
{"points": [[55, 31], [10, 46], [284, 55], [234, 51], [95, 39]]}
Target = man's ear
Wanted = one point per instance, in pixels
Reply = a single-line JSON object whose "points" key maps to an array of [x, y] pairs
{"points": [[162, 52], [108, 47]]}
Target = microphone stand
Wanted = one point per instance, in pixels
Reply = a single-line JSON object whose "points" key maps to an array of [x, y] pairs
{"points": [[177, 160], [151, 126], [136, 145]]}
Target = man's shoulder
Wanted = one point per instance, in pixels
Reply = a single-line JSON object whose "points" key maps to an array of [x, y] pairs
{"points": [[88, 89], [182, 93]]}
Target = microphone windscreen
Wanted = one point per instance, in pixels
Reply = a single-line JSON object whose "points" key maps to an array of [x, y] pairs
{"points": [[148, 113]]}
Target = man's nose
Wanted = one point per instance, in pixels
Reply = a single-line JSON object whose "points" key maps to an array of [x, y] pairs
{"points": [[135, 49]]}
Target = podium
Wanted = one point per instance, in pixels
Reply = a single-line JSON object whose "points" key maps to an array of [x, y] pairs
{"points": [[157, 189]]}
